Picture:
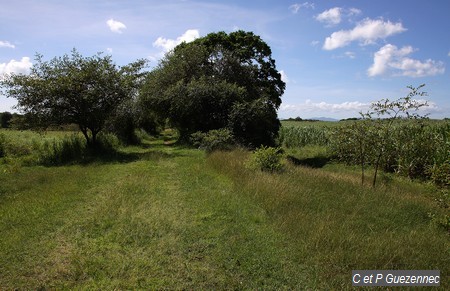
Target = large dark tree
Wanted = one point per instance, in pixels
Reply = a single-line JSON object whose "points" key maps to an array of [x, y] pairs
{"points": [[213, 81], [5, 119], [74, 89]]}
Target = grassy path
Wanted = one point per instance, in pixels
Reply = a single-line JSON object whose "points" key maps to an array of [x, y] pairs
{"points": [[161, 218]]}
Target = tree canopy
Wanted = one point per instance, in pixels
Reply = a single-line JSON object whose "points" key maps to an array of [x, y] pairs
{"points": [[215, 82], [74, 89]]}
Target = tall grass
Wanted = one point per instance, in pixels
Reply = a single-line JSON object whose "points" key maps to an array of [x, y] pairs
{"points": [[415, 149], [59, 151], [52, 147], [299, 136], [334, 226]]}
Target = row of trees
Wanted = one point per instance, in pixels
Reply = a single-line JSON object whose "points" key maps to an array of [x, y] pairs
{"points": [[218, 81]]}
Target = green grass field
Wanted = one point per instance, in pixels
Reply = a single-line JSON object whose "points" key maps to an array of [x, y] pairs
{"points": [[162, 216]]}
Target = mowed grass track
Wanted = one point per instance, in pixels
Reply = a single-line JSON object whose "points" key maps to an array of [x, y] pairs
{"points": [[166, 217], [158, 219]]}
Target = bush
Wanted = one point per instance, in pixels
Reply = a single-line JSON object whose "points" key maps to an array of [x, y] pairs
{"points": [[440, 174], [267, 159], [107, 143], [217, 139]]}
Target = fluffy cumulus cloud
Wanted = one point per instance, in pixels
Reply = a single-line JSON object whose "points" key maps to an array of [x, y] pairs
{"points": [[17, 67], [6, 44], [297, 6], [116, 26], [366, 32], [394, 61], [334, 15], [169, 44], [331, 16], [309, 106]]}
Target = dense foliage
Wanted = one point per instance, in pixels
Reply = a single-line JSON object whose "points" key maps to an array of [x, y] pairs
{"points": [[219, 81], [5, 119], [216, 139]]}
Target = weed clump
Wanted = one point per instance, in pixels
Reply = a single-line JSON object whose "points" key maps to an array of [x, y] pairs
{"points": [[267, 159]]}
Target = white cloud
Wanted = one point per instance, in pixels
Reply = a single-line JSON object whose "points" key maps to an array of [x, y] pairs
{"points": [[296, 7], [331, 16], [309, 106], [350, 55], [284, 76], [169, 44], [116, 26], [315, 42], [17, 67], [334, 15], [354, 11], [109, 50], [6, 44], [390, 59], [449, 54], [367, 32]]}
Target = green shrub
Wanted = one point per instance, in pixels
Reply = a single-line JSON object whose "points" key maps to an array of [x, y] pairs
{"points": [[440, 174], [217, 139], [107, 143], [268, 159]]}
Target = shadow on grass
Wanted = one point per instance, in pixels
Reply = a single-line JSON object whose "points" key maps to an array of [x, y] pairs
{"points": [[150, 153], [316, 162]]}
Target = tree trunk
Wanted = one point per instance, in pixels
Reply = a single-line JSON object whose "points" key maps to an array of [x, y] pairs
{"points": [[361, 152], [86, 135], [94, 137], [377, 164]]}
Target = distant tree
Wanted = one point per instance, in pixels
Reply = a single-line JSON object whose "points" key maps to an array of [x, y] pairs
{"points": [[6, 119], [74, 89], [208, 83]]}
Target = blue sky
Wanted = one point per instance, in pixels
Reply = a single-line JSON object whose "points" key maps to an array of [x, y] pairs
{"points": [[335, 56]]}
